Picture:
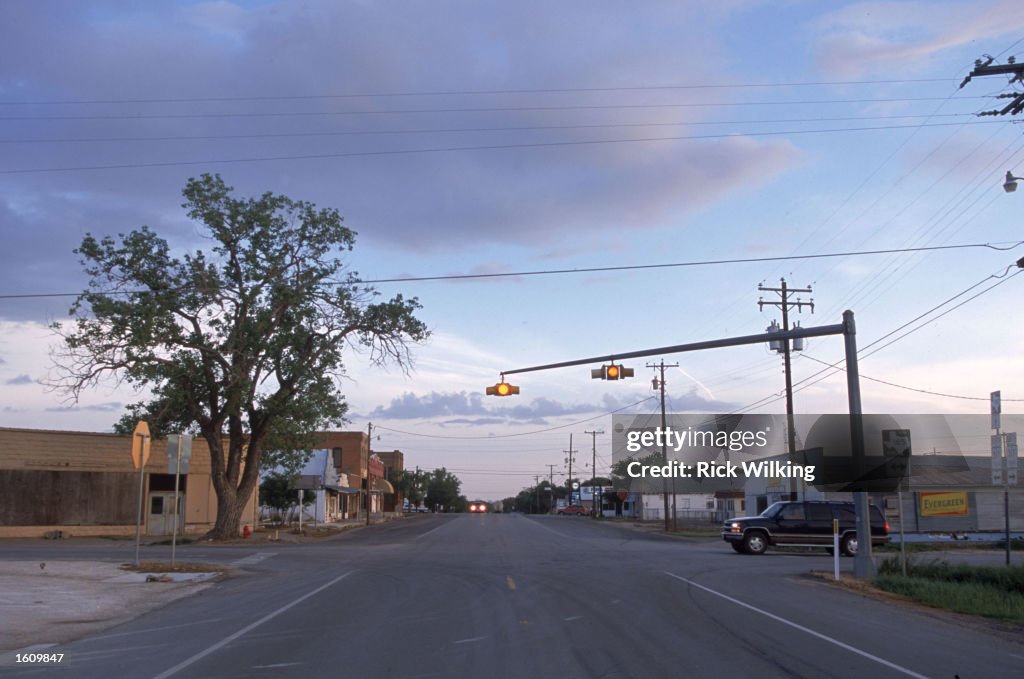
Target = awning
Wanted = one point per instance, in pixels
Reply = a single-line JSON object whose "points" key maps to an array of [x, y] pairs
{"points": [[344, 490], [383, 485]]}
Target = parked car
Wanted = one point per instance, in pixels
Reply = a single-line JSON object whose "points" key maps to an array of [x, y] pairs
{"points": [[576, 510], [802, 524]]}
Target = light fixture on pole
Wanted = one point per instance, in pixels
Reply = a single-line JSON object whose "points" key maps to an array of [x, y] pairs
{"points": [[1010, 185]]}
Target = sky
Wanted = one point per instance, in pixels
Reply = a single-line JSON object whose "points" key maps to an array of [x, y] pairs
{"points": [[514, 138]]}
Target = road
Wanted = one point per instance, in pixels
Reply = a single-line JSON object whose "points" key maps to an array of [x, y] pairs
{"points": [[517, 596]]}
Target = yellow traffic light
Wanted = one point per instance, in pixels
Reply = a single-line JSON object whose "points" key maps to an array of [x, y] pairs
{"points": [[502, 389], [611, 372]]}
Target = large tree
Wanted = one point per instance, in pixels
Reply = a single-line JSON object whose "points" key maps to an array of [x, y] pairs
{"points": [[242, 343]]}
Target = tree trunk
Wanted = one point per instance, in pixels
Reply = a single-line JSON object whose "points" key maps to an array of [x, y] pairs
{"points": [[230, 506]]}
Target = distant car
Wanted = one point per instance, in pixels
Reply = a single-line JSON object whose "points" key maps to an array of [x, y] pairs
{"points": [[478, 507], [575, 510], [802, 524], [423, 510]]}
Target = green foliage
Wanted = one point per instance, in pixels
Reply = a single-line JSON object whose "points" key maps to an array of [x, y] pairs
{"points": [[411, 484], [277, 493], [442, 491], [991, 591], [241, 344], [620, 477]]}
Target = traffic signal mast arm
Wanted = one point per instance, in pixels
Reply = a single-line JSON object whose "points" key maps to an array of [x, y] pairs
{"points": [[819, 331]]}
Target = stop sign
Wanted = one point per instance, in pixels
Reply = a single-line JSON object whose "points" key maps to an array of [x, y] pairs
{"points": [[622, 495]]}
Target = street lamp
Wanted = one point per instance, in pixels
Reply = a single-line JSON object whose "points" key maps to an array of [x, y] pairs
{"points": [[1010, 185]]}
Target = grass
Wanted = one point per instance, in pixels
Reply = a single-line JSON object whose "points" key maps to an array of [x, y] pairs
{"points": [[1016, 545], [989, 591]]}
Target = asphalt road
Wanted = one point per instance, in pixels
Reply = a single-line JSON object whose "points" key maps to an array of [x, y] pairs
{"points": [[516, 596]]}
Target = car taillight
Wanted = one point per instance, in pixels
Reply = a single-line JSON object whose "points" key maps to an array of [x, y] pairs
{"points": [[886, 526]]}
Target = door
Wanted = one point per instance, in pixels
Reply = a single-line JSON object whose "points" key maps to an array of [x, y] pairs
{"points": [[160, 517]]}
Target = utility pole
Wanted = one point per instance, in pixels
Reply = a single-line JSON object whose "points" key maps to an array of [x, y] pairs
{"points": [[551, 487], [593, 471], [369, 437], [536, 492], [659, 383], [785, 303], [570, 452], [1012, 68]]}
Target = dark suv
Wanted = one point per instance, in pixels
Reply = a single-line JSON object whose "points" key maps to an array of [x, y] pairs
{"points": [[803, 524]]}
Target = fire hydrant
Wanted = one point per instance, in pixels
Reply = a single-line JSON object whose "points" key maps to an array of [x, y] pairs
{"points": [[246, 532]]}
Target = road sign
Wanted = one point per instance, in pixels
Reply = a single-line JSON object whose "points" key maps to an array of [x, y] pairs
{"points": [[178, 445], [140, 445], [997, 408]]}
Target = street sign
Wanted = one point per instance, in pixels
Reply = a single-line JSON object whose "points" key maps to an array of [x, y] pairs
{"points": [[1011, 459], [997, 460], [997, 408], [140, 445]]}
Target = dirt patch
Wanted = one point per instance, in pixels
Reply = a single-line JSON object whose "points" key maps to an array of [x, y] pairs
{"points": [[57, 601]]}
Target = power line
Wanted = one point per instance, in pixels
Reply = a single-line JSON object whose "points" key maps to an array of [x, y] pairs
{"points": [[903, 386], [446, 130], [450, 149], [423, 93], [480, 109], [834, 368], [599, 269]]}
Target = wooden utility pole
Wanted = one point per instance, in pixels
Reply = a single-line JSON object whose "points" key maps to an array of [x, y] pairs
{"points": [[659, 383], [593, 472], [785, 303]]}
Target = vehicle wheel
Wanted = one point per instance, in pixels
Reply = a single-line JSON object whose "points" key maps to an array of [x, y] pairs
{"points": [[738, 547], [848, 545], [755, 542]]}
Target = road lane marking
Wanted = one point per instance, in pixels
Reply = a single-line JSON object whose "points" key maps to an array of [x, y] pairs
{"points": [[227, 640], [510, 583], [552, 530], [819, 635], [469, 641], [252, 559], [430, 531], [275, 666], [155, 629], [572, 617]]}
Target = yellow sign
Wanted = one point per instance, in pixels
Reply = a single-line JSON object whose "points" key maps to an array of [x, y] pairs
{"points": [[140, 444], [944, 504]]}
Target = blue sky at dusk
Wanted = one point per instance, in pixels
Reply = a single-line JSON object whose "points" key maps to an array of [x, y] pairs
{"points": [[483, 137]]}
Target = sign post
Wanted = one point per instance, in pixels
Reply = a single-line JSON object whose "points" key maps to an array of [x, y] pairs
{"points": [[140, 455], [896, 444], [181, 448], [835, 548]]}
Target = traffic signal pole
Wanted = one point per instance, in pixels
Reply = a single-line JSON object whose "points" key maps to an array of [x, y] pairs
{"points": [[863, 565]]}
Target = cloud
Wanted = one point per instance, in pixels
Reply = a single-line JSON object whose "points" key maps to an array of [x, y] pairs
{"points": [[110, 406], [870, 37], [20, 379], [464, 408]]}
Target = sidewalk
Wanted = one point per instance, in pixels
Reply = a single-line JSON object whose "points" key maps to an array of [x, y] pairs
{"points": [[54, 602]]}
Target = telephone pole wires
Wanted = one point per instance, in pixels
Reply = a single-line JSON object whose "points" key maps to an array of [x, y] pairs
{"points": [[785, 303], [659, 383]]}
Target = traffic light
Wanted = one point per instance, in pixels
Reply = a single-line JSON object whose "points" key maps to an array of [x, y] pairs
{"points": [[502, 389], [611, 372]]}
